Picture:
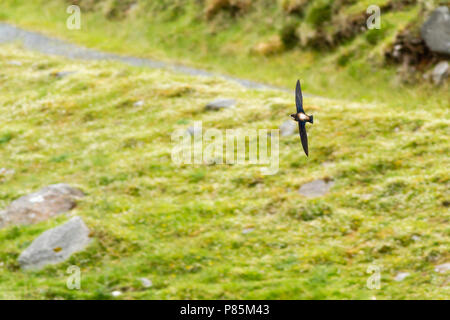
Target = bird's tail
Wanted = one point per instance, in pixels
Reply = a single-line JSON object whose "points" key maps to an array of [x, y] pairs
{"points": [[311, 119]]}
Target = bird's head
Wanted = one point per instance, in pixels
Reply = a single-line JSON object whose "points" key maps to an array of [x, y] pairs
{"points": [[294, 116]]}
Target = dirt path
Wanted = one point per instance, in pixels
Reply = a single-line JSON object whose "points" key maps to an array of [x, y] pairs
{"points": [[52, 46]]}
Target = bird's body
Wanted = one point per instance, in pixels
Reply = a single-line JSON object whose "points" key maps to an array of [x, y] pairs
{"points": [[301, 117]]}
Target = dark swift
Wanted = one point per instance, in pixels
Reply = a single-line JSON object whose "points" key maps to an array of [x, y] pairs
{"points": [[301, 117]]}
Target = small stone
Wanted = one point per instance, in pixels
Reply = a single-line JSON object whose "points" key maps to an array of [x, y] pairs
{"points": [[116, 293], [288, 128], [365, 196], [62, 74], [326, 164], [415, 238], [220, 104], [139, 103], [247, 230], [315, 188], [440, 72], [15, 63], [194, 130], [401, 276], [146, 283], [442, 268], [6, 172], [56, 245]]}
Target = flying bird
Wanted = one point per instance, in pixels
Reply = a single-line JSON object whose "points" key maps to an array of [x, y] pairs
{"points": [[301, 117]]}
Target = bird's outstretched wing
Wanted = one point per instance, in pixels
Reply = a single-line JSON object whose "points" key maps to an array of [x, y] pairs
{"points": [[299, 97], [303, 136]]}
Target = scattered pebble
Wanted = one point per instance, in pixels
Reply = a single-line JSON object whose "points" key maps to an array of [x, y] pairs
{"points": [[6, 172], [247, 230], [139, 103], [442, 268], [327, 164], [220, 104], [116, 293], [15, 63], [401, 276], [146, 283], [62, 74], [315, 188], [440, 72], [365, 196], [194, 130]]}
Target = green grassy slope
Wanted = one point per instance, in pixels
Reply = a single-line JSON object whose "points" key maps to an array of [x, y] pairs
{"points": [[182, 226], [354, 67]]}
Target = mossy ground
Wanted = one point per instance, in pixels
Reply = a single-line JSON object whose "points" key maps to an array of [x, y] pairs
{"points": [[178, 31], [182, 226]]}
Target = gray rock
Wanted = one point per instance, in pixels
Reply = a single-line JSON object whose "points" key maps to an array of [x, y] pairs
{"points": [[41, 205], [327, 164], [220, 104], [15, 63], [116, 293], [436, 30], [247, 230], [401, 276], [365, 196], [62, 74], [6, 172], [139, 103], [288, 128], [443, 268], [440, 72], [146, 283], [315, 188], [55, 245]]}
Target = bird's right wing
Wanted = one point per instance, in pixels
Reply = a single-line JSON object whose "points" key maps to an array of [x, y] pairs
{"points": [[299, 97], [303, 136]]}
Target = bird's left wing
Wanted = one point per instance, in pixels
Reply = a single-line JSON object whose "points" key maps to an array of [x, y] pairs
{"points": [[303, 136], [299, 97]]}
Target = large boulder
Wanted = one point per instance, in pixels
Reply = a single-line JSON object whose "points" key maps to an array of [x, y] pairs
{"points": [[40, 205], [56, 245], [436, 30]]}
